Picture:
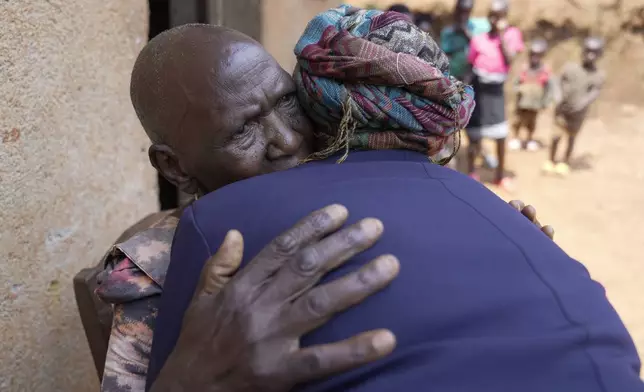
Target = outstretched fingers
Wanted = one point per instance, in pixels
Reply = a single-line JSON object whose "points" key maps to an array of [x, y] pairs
{"points": [[307, 268], [324, 360], [310, 229], [321, 303]]}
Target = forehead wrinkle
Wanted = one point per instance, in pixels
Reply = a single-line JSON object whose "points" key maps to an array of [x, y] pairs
{"points": [[244, 78], [174, 77], [241, 84], [280, 87]]}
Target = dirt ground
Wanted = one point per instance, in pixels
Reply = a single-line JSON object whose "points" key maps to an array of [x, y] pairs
{"points": [[597, 210]]}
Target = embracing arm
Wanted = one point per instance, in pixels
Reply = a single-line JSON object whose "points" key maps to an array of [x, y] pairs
{"points": [[508, 55], [531, 213], [590, 97], [135, 298], [241, 333], [128, 355]]}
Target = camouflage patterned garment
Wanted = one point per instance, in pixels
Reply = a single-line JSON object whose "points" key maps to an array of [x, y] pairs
{"points": [[132, 282]]}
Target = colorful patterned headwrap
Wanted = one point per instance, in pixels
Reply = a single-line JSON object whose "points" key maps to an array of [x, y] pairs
{"points": [[380, 81]]}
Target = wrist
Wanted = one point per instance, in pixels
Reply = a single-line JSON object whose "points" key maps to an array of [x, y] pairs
{"points": [[182, 372], [175, 377]]}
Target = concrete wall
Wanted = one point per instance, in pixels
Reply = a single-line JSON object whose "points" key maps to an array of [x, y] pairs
{"points": [[73, 175], [73, 166]]}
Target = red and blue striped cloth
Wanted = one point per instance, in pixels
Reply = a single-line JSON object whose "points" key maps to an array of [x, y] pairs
{"points": [[392, 77]]}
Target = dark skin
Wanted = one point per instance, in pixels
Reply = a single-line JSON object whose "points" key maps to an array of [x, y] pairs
{"points": [[240, 121], [273, 302], [240, 332], [531, 213], [498, 24], [536, 62], [234, 115], [461, 17], [589, 62]]}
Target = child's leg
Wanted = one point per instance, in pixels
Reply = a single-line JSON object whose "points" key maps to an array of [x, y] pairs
{"points": [[562, 167], [518, 121], [560, 129], [473, 151], [571, 145], [531, 125], [553, 148], [516, 124], [571, 127], [500, 152], [575, 123]]}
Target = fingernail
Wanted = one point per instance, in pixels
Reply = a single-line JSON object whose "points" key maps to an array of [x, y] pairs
{"points": [[337, 211], [372, 226], [384, 341], [232, 236], [389, 264]]}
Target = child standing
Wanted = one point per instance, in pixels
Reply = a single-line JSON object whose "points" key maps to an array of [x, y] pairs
{"points": [[455, 38], [580, 86], [534, 90], [490, 56], [455, 41]]}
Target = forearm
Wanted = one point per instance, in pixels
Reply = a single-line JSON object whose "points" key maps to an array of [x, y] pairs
{"points": [[508, 56], [467, 34], [548, 94], [468, 77], [590, 98], [130, 344], [172, 384], [587, 101], [170, 378]]}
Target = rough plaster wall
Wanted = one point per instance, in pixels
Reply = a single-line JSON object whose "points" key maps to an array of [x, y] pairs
{"points": [[283, 22], [73, 174]]}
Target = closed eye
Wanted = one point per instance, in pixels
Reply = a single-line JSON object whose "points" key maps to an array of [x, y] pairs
{"points": [[287, 101], [243, 131]]}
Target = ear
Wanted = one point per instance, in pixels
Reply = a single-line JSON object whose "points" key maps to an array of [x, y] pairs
{"points": [[164, 159]]}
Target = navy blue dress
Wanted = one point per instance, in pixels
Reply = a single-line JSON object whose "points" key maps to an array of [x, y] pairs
{"points": [[484, 301]]}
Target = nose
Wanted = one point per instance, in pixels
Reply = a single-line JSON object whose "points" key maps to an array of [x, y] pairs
{"points": [[281, 139]]}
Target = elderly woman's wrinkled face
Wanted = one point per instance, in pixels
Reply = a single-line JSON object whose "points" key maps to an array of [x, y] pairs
{"points": [[248, 120]]}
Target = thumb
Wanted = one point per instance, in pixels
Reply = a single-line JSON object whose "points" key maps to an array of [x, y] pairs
{"points": [[221, 266]]}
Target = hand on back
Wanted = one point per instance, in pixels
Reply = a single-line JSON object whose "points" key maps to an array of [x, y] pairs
{"points": [[531, 213], [242, 333]]}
